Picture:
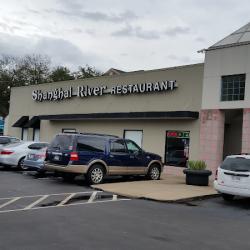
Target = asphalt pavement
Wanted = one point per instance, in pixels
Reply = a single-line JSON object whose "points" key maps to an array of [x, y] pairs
{"points": [[89, 220]]}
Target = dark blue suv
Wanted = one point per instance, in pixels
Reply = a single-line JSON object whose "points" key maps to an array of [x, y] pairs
{"points": [[97, 155]]}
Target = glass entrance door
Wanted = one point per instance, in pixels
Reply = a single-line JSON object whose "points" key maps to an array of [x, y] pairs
{"points": [[177, 148]]}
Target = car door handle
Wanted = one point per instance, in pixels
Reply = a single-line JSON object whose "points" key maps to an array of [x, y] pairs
{"points": [[132, 156], [111, 156]]}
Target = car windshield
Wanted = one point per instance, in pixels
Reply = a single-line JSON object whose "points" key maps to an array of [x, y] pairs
{"points": [[236, 164], [133, 147], [4, 140], [62, 142]]}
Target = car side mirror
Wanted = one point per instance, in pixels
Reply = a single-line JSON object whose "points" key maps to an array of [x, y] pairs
{"points": [[139, 152]]}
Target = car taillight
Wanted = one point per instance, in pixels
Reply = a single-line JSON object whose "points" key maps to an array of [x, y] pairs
{"points": [[41, 156], [216, 174], [74, 156], [6, 152]]}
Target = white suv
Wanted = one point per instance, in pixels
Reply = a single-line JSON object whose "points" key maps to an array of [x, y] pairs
{"points": [[233, 177]]}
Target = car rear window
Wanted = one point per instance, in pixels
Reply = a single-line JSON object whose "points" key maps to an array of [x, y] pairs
{"points": [[90, 144], [236, 164], [4, 140], [62, 142], [38, 146]]}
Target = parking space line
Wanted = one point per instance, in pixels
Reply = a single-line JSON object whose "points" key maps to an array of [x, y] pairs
{"points": [[30, 196], [56, 206], [9, 202], [36, 202], [33, 206], [66, 199], [92, 197]]}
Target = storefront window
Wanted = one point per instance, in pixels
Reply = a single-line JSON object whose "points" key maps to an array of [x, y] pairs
{"points": [[233, 87], [177, 148]]}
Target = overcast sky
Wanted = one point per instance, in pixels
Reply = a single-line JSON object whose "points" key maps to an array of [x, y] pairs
{"points": [[124, 34]]}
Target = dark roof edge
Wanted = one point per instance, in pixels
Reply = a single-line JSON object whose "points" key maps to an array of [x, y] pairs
{"points": [[227, 46], [125, 115]]}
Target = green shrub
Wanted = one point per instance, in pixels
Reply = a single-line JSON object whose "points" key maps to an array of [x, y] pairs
{"points": [[197, 165]]}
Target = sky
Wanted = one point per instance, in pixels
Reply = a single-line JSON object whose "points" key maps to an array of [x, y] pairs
{"points": [[124, 34]]}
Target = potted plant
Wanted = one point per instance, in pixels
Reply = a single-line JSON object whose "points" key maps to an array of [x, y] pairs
{"points": [[196, 173]]}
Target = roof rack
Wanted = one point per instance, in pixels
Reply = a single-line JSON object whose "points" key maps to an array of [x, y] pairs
{"points": [[97, 134], [87, 133]]}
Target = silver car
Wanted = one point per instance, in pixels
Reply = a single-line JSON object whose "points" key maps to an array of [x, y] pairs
{"points": [[7, 140], [35, 158], [14, 154]]}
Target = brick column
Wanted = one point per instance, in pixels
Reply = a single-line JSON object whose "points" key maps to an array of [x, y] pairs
{"points": [[246, 131], [212, 137]]}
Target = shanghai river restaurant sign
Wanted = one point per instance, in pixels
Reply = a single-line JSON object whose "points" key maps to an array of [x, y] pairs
{"points": [[85, 91]]}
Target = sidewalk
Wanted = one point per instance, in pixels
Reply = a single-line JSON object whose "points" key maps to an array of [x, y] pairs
{"points": [[170, 188]]}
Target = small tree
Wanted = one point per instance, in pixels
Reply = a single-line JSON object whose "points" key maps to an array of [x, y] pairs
{"points": [[61, 74], [87, 72], [20, 71]]}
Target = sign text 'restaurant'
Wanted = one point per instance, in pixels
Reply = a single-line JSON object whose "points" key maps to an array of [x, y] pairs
{"points": [[86, 91]]}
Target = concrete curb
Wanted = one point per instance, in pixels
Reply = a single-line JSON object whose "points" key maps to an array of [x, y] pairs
{"points": [[183, 200]]}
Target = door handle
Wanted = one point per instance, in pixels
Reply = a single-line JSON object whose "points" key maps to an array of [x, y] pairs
{"points": [[132, 156], [111, 156]]}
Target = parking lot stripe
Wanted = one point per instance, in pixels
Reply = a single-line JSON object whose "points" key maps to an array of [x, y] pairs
{"points": [[92, 197], [9, 202], [36, 202], [30, 196], [66, 199], [68, 205]]}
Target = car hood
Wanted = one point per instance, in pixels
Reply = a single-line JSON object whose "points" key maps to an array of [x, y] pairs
{"points": [[153, 156]]}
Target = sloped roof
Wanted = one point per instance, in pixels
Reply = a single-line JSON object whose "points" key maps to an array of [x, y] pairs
{"points": [[113, 71], [239, 37]]}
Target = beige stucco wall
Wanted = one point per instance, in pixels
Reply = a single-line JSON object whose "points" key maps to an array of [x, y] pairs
{"points": [[187, 97], [226, 61], [154, 131]]}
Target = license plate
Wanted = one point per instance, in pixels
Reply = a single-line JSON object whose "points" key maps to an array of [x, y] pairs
{"points": [[56, 157], [236, 178]]}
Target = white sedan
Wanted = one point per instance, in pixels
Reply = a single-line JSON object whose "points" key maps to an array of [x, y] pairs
{"points": [[233, 177], [7, 140], [14, 154]]}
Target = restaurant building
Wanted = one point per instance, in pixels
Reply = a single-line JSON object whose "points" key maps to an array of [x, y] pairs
{"points": [[199, 111]]}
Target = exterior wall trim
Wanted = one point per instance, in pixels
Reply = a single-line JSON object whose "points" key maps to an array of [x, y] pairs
{"points": [[125, 115]]}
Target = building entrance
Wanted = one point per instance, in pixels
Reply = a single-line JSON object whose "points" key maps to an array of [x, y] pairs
{"points": [[233, 132], [177, 148]]}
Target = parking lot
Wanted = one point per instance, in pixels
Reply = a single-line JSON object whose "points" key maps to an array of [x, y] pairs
{"points": [[45, 212]]}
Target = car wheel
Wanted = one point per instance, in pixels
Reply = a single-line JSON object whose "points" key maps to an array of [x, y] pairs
{"points": [[95, 174], [227, 197], [21, 164], [154, 172]]}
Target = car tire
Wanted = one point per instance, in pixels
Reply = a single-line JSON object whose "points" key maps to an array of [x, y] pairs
{"points": [[21, 165], [227, 197], [95, 174], [154, 172]]}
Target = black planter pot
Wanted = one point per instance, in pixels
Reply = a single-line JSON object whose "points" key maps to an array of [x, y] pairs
{"points": [[197, 177]]}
